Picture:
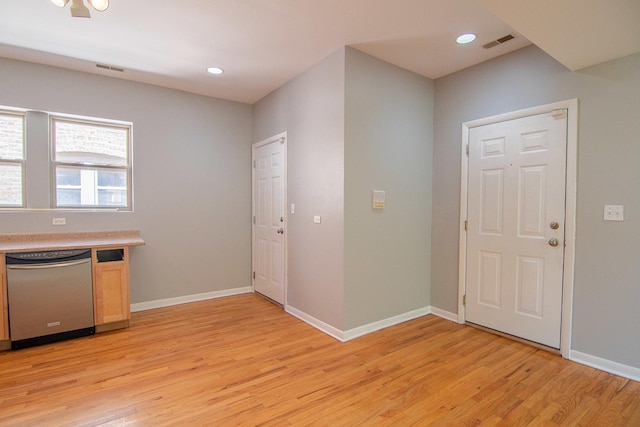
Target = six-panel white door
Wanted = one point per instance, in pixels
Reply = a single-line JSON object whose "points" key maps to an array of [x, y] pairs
{"points": [[516, 218], [269, 200]]}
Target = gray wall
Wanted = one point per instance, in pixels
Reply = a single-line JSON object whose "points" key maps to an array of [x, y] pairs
{"points": [[311, 109], [607, 271], [355, 124], [192, 177], [388, 146]]}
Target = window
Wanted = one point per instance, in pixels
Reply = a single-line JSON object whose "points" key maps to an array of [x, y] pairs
{"points": [[92, 167], [11, 159]]}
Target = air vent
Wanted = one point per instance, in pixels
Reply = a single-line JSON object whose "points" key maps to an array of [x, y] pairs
{"points": [[499, 41], [110, 68]]}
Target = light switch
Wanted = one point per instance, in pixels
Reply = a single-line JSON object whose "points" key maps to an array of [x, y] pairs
{"points": [[293, 208], [317, 219], [613, 213]]}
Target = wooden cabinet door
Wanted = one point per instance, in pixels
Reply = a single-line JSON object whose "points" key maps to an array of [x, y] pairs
{"points": [[111, 290], [4, 306]]}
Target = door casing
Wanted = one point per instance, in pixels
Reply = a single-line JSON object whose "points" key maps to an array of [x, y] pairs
{"points": [[282, 138], [571, 106]]}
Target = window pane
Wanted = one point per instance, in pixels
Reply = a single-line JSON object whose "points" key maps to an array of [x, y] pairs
{"points": [[11, 137], [91, 187], [108, 178], [68, 197], [112, 197], [10, 184], [68, 176], [91, 144]]}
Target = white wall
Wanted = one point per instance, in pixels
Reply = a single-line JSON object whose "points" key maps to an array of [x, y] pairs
{"points": [[607, 271], [388, 146], [192, 177], [311, 109]]}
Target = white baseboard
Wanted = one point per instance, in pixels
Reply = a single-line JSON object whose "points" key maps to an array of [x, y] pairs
{"points": [[141, 306], [385, 323], [605, 365], [447, 315], [359, 331], [316, 323]]}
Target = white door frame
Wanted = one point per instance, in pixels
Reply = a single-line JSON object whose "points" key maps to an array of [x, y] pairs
{"points": [[570, 204], [282, 138]]}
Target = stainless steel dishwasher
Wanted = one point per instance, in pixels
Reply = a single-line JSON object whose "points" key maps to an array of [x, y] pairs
{"points": [[50, 296]]}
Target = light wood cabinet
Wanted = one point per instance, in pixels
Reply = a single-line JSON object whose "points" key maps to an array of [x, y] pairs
{"points": [[111, 285], [4, 306]]}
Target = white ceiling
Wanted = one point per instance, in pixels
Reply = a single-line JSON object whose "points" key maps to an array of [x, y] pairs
{"points": [[262, 44]]}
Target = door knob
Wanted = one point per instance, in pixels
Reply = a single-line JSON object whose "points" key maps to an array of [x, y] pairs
{"points": [[553, 242], [554, 225]]}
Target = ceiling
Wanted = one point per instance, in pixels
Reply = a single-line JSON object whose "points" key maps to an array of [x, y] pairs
{"points": [[262, 44]]}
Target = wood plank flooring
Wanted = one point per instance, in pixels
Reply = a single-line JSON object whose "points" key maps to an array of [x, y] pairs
{"points": [[243, 361]]}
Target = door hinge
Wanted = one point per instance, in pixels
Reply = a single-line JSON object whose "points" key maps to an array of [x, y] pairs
{"points": [[464, 299], [467, 149], [254, 219], [254, 275], [466, 225], [254, 164]]}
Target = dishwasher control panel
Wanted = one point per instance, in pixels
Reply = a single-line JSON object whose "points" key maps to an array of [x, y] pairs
{"points": [[47, 256]]}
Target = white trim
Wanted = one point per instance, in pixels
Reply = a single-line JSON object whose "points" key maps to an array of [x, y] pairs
{"points": [[282, 137], [316, 323], [447, 315], [385, 323], [570, 202], [570, 226], [167, 302], [605, 365], [350, 334]]}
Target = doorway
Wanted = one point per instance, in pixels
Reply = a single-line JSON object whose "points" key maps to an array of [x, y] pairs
{"points": [[269, 182], [518, 223]]}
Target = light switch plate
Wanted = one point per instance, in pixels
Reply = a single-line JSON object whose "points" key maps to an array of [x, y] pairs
{"points": [[613, 213], [317, 219], [59, 221], [377, 199]]}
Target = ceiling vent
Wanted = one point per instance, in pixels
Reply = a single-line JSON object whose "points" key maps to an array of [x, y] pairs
{"points": [[110, 68], [499, 41]]}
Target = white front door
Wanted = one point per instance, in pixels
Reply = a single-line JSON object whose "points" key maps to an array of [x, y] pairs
{"points": [[516, 226], [269, 181]]}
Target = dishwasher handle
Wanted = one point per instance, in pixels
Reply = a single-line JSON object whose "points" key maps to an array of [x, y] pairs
{"points": [[48, 265]]}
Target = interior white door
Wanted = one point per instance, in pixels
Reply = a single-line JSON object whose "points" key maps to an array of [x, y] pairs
{"points": [[269, 208], [516, 223]]}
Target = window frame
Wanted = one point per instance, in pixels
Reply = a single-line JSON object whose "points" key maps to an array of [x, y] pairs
{"points": [[55, 164], [22, 162]]}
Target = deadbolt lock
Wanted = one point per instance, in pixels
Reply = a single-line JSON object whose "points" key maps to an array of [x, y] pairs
{"points": [[554, 225]]}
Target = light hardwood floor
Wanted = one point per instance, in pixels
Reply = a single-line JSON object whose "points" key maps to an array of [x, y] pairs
{"points": [[243, 361]]}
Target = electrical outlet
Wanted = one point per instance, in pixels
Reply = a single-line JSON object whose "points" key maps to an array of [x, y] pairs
{"points": [[613, 213], [59, 221]]}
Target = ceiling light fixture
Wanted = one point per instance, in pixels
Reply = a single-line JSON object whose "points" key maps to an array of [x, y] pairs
{"points": [[215, 70], [465, 38], [79, 10]]}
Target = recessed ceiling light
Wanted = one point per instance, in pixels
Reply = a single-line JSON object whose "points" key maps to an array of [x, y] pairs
{"points": [[465, 38], [215, 70]]}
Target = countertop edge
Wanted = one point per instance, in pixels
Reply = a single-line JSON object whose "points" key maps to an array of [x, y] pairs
{"points": [[72, 240]]}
